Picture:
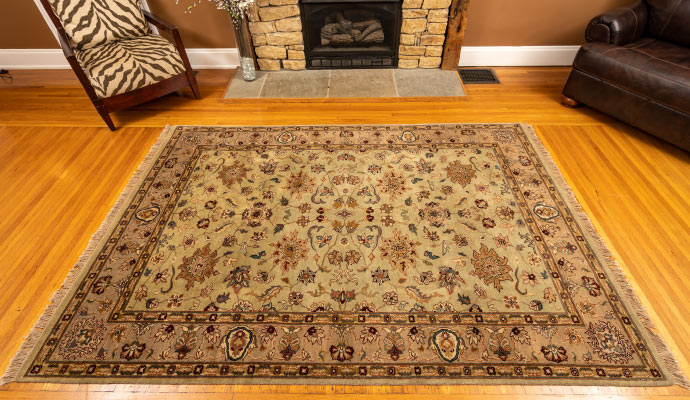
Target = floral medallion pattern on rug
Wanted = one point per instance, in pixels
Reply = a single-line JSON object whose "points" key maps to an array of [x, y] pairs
{"points": [[314, 254]]}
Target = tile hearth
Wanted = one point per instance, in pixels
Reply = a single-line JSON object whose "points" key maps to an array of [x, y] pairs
{"points": [[339, 83]]}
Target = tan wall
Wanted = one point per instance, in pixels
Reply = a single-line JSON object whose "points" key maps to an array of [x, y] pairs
{"points": [[532, 22], [205, 26], [22, 26], [491, 23]]}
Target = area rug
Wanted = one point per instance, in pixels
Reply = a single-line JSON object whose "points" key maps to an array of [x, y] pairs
{"points": [[358, 255]]}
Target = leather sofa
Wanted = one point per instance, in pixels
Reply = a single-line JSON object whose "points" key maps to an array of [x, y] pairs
{"points": [[636, 68]]}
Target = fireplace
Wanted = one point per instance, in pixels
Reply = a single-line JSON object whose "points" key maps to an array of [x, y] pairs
{"points": [[299, 34], [351, 34]]}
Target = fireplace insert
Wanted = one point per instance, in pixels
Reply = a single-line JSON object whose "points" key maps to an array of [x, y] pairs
{"points": [[351, 34]]}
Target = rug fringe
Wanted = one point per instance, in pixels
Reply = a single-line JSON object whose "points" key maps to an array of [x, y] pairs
{"points": [[660, 347], [16, 364]]}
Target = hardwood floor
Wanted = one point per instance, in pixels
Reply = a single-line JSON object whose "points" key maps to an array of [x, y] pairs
{"points": [[61, 170]]}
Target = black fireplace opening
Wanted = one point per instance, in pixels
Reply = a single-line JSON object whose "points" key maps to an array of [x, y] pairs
{"points": [[351, 34]]}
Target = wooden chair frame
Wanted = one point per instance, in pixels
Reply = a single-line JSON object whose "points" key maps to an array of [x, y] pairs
{"points": [[107, 105]]}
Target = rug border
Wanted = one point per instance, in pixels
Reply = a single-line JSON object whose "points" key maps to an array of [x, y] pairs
{"points": [[659, 347], [28, 349]]}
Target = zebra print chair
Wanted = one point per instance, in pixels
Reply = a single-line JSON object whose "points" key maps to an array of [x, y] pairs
{"points": [[118, 60]]}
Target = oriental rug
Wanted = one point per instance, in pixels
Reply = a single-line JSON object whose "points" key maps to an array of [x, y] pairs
{"points": [[421, 254]]}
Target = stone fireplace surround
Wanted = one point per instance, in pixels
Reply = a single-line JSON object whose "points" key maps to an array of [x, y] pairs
{"points": [[276, 29]]}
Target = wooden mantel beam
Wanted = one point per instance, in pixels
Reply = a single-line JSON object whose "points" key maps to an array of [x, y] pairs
{"points": [[455, 35]]}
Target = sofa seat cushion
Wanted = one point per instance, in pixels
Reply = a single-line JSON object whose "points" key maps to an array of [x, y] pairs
{"points": [[129, 64], [650, 68], [91, 23]]}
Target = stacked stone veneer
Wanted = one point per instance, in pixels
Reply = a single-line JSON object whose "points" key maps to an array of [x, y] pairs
{"points": [[422, 33], [276, 30]]}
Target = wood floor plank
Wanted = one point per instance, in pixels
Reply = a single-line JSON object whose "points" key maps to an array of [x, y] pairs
{"points": [[61, 171]]}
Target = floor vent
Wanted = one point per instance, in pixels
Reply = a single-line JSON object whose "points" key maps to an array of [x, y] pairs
{"points": [[476, 75]]}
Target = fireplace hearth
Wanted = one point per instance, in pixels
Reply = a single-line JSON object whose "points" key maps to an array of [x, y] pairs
{"points": [[351, 34]]}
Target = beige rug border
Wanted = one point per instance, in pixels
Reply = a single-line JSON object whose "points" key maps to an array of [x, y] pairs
{"points": [[660, 349], [28, 348]]}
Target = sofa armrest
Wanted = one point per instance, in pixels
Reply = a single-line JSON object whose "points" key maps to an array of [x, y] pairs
{"points": [[620, 26]]}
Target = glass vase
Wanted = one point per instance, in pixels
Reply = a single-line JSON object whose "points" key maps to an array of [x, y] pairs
{"points": [[244, 45]]}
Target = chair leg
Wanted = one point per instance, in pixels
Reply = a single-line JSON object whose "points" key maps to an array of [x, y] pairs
{"points": [[100, 107], [191, 79], [192, 84]]}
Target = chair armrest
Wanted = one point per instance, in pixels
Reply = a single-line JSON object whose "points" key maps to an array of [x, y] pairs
{"points": [[176, 38], [158, 21], [619, 26]]}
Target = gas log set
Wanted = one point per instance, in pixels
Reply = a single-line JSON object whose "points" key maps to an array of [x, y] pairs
{"points": [[351, 27]]}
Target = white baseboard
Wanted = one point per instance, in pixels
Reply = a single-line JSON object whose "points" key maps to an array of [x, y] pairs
{"points": [[214, 58], [54, 59], [517, 56], [492, 56], [32, 59]]}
